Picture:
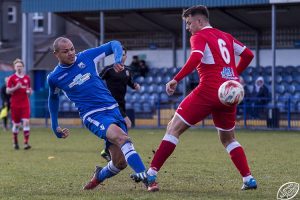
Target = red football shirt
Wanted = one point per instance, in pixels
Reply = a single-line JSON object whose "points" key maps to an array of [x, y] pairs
{"points": [[217, 50], [19, 98]]}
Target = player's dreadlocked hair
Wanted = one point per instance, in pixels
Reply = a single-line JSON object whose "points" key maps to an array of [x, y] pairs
{"points": [[194, 10]]}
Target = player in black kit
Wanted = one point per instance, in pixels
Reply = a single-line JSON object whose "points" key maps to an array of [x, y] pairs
{"points": [[117, 84]]}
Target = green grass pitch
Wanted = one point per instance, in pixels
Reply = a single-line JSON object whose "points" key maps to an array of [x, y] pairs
{"points": [[200, 168]]}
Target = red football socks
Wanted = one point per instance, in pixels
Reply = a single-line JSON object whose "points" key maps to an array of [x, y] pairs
{"points": [[239, 159], [165, 149], [15, 138], [26, 137]]}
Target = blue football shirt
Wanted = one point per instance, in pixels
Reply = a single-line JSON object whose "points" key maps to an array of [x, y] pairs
{"points": [[81, 83]]}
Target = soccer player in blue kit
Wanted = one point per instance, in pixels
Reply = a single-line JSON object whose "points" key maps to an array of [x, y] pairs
{"points": [[76, 75]]}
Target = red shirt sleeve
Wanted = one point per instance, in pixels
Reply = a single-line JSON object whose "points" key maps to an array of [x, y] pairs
{"points": [[10, 83], [246, 58], [238, 47], [245, 54], [197, 50], [29, 84], [197, 43]]}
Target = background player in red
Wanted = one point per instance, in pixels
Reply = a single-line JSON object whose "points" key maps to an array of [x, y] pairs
{"points": [[19, 87], [213, 55]]}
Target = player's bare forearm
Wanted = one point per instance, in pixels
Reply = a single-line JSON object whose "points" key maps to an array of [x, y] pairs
{"points": [[171, 87], [118, 67]]}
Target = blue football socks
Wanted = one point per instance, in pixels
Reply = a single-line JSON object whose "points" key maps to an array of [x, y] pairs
{"points": [[132, 157], [107, 172]]}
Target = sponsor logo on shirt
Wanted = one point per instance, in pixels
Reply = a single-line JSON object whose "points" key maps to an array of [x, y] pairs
{"points": [[81, 65], [228, 73], [80, 79]]}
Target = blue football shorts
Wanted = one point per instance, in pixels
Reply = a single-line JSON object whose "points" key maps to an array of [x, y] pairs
{"points": [[99, 122]]}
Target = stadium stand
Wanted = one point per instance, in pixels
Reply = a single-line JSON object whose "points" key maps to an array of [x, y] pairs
{"points": [[152, 90]]}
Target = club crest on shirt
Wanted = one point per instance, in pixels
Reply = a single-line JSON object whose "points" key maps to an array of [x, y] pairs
{"points": [[228, 73], [102, 127], [81, 65]]}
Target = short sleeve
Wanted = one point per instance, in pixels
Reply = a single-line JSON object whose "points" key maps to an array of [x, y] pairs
{"points": [[197, 44], [238, 47]]}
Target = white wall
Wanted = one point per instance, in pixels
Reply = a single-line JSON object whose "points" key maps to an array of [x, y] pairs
{"points": [[284, 57], [163, 58]]}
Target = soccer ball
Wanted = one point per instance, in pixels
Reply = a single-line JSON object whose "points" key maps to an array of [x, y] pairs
{"points": [[231, 93]]}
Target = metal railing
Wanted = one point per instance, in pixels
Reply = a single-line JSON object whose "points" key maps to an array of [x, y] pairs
{"points": [[285, 114]]}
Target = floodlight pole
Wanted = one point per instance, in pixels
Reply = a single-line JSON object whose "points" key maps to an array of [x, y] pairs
{"points": [[257, 63], [102, 63], [174, 50], [273, 52], [27, 41], [184, 52]]}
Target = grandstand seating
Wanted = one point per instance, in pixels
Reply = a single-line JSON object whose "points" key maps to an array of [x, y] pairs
{"points": [[152, 90]]}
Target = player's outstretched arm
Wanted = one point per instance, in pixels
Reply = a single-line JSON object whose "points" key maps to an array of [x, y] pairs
{"points": [[190, 65], [246, 58], [117, 51], [53, 105], [112, 47]]}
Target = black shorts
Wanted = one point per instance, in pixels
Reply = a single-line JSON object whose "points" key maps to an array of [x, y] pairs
{"points": [[122, 109]]}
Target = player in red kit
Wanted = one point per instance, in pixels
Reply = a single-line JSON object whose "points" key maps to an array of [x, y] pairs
{"points": [[213, 56], [18, 87]]}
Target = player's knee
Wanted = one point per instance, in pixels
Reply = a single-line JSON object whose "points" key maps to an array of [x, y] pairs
{"points": [[174, 130], [122, 164], [226, 137], [116, 135], [122, 139], [26, 123], [15, 128]]}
